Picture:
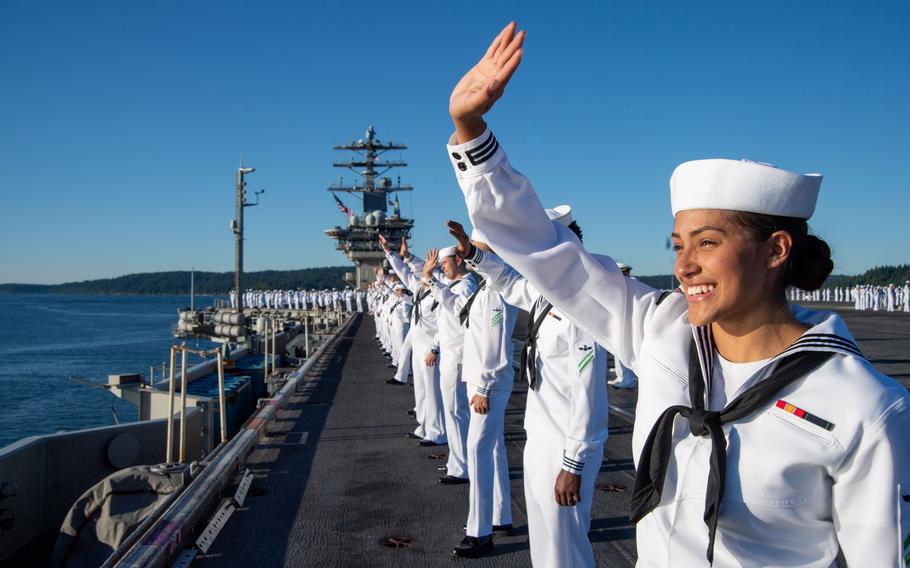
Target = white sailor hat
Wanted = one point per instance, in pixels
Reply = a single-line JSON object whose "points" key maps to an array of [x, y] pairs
{"points": [[743, 185], [623, 266], [447, 251], [561, 214]]}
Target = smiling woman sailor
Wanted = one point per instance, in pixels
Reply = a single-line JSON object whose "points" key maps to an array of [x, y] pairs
{"points": [[763, 437]]}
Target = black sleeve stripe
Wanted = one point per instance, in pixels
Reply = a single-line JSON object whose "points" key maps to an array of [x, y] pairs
{"points": [[483, 152], [486, 155]]}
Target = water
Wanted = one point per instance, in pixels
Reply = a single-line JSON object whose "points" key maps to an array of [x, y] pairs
{"points": [[45, 338]]}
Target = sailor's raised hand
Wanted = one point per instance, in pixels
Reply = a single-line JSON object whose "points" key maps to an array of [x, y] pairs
{"points": [[464, 249], [404, 248], [384, 243], [481, 87], [430, 264]]}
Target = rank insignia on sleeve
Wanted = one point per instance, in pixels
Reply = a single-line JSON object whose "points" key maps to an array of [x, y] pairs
{"points": [[807, 416], [586, 358]]}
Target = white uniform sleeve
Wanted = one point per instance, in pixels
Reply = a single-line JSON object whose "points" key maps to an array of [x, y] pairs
{"points": [[415, 262], [495, 345], [872, 494], [408, 278], [592, 292], [587, 427], [451, 299], [501, 277]]}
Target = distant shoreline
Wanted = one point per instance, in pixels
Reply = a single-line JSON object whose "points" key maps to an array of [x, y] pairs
{"points": [[176, 283], [206, 283]]}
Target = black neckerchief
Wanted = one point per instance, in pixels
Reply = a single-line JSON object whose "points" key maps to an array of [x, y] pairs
{"points": [[655, 457], [529, 351], [466, 309], [420, 296]]}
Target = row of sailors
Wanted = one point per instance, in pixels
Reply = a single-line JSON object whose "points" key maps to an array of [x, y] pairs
{"points": [[333, 299], [449, 322], [762, 436], [889, 298]]}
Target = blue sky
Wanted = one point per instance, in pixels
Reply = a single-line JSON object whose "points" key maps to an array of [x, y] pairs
{"points": [[123, 122]]}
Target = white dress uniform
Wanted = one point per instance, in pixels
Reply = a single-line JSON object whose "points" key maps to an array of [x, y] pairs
{"points": [[825, 466], [404, 355], [907, 297], [488, 372], [400, 323], [424, 339], [451, 347], [566, 419]]}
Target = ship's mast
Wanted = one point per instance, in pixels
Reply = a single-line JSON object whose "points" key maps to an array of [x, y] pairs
{"points": [[375, 198], [359, 239]]}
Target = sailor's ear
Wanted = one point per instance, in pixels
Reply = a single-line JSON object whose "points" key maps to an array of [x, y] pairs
{"points": [[780, 245]]}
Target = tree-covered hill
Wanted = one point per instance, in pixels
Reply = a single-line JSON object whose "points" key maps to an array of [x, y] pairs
{"points": [[178, 282]]}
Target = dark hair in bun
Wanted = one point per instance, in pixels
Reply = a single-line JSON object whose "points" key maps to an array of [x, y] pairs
{"points": [[576, 229], [810, 259]]}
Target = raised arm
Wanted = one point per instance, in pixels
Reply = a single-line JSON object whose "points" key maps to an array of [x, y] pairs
{"points": [[499, 276], [401, 268], [502, 204]]}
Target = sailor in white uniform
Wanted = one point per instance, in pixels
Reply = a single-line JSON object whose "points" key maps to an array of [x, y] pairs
{"points": [[424, 332], [400, 319], [763, 437], [488, 373], [451, 347], [907, 296], [566, 417]]}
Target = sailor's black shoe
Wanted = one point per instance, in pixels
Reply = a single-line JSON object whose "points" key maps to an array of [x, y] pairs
{"points": [[474, 546], [412, 414], [414, 436], [452, 480], [394, 382], [428, 443]]}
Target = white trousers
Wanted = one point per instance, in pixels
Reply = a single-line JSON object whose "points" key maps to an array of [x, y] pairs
{"points": [[489, 496], [558, 535], [456, 411], [399, 330], [427, 395], [404, 360]]}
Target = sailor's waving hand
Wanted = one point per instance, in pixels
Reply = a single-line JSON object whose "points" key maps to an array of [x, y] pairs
{"points": [[430, 265], [481, 87]]}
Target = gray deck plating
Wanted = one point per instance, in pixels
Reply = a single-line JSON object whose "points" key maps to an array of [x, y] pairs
{"points": [[339, 475]]}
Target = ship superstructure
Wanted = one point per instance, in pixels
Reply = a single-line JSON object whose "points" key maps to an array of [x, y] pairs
{"points": [[359, 240]]}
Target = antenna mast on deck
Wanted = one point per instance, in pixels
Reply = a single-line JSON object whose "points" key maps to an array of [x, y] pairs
{"points": [[237, 228]]}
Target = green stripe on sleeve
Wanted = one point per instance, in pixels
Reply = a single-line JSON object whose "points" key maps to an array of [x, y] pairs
{"points": [[585, 361]]}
